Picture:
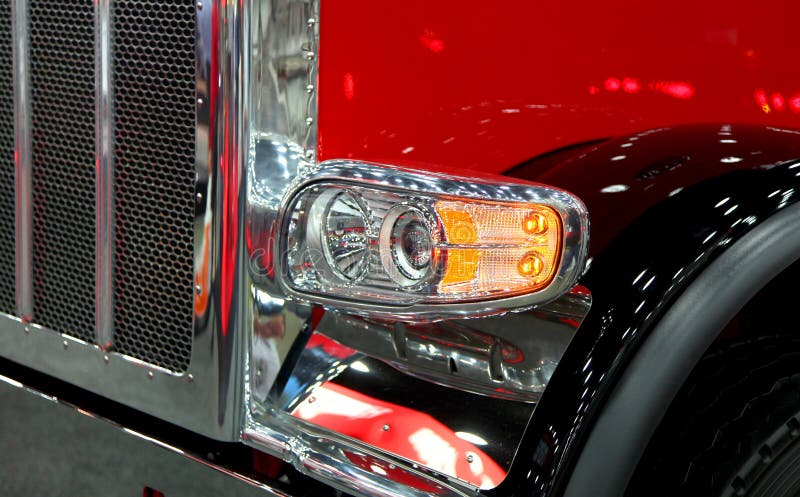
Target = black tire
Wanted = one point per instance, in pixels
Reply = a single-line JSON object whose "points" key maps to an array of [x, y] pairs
{"points": [[733, 430]]}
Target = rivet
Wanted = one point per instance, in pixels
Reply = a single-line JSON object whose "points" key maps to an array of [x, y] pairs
{"points": [[470, 458], [258, 372], [200, 100], [309, 55], [309, 121], [199, 5], [311, 21], [198, 289], [392, 466], [106, 359], [385, 428], [149, 375], [27, 329], [190, 377], [309, 88], [199, 196], [66, 345], [312, 399]]}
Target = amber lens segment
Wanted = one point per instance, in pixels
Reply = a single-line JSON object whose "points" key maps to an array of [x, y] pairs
{"points": [[461, 267], [498, 248], [459, 226], [468, 222]]}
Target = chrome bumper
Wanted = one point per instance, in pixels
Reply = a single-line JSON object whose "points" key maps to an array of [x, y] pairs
{"points": [[49, 447]]}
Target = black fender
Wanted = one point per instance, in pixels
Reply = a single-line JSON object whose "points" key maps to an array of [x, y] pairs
{"points": [[688, 223]]}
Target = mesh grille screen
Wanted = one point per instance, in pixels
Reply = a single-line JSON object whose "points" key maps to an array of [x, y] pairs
{"points": [[62, 94], [6, 164], [154, 103]]}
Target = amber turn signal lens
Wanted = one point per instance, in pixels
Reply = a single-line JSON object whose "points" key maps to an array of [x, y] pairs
{"points": [[498, 247]]}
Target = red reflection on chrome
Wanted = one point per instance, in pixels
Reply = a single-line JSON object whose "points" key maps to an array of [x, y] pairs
{"points": [[430, 41], [349, 86], [405, 432], [612, 84]]}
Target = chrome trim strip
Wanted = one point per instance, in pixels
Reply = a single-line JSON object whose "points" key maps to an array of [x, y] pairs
{"points": [[104, 173], [23, 170]]}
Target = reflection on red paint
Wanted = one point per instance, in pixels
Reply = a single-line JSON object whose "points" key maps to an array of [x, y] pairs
{"points": [[761, 97], [430, 41], [677, 89], [612, 84], [794, 103], [349, 86], [593, 90], [631, 85], [778, 102]]}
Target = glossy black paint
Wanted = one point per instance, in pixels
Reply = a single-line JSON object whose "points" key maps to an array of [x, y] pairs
{"points": [[663, 204]]}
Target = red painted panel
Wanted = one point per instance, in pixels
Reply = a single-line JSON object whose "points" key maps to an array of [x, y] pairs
{"points": [[487, 85]]}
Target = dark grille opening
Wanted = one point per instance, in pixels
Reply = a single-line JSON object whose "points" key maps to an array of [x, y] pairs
{"points": [[62, 94], [154, 104], [7, 304]]}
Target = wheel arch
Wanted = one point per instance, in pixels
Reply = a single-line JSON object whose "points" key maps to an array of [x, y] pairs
{"points": [[690, 212]]}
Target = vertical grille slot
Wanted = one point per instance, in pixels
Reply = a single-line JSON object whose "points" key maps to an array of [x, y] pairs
{"points": [[7, 262], [62, 95], [154, 107]]}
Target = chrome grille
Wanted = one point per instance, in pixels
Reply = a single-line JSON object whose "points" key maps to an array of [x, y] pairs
{"points": [[63, 152], [153, 122], [6, 164], [154, 102]]}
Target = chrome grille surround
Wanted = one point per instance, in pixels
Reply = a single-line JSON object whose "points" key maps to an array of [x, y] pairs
{"points": [[201, 392]]}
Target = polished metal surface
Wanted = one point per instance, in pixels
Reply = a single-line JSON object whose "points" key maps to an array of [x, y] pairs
{"points": [[413, 379], [104, 177], [22, 156], [74, 440], [509, 357], [572, 211]]}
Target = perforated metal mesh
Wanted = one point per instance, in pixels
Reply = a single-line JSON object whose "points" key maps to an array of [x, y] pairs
{"points": [[62, 94], [154, 75], [6, 163]]}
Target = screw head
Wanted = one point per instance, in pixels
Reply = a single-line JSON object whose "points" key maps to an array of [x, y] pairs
{"points": [[106, 359], [199, 5], [385, 427], [470, 458], [150, 375], [27, 329], [66, 345], [190, 377]]}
